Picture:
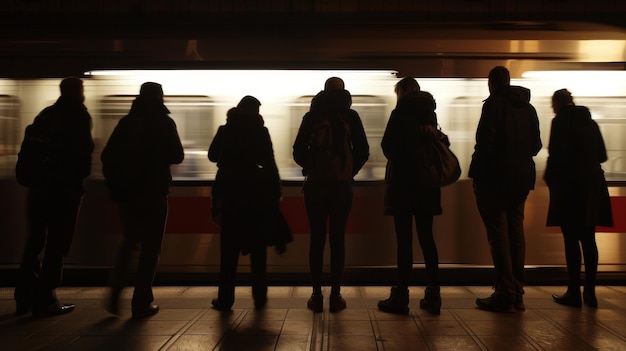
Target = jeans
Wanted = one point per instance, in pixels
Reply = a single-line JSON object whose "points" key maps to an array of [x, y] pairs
{"points": [[51, 222], [144, 226], [504, 221], [327, 205]]}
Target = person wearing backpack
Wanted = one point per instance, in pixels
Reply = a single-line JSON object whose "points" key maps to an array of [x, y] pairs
{"points": [[54, 160], [503, 173], [136, 165], [406, 199], [331, 147]]}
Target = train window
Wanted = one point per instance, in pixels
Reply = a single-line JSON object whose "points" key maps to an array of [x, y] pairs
{"points": [[194, 117], [9, 134], [373, 113]]}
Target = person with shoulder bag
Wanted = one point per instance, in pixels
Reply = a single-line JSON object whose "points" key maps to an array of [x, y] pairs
{"points": [[407, 197]]}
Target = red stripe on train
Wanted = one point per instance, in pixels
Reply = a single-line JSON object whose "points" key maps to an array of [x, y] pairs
{"points": [[190, 215]]}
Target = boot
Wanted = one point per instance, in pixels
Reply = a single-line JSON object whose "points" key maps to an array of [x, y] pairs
{"points": [[432, 300], [398, 301]]}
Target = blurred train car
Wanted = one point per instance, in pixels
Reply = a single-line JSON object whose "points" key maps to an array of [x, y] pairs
{"points": [[198, 101]]}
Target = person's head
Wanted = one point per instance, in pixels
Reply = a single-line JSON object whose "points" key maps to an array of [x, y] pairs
{"points": [[334, 83], [560, 99], [249, 104], [406, 86], [499, 78], [151, 91], [428, 101], [72, 89]]}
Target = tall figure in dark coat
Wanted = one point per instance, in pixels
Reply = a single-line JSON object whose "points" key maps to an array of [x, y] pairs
{"points": [[329, 202], [136, 164], [406, 200], [579, 198], [248, 184], [503, 170], [53, 203]]}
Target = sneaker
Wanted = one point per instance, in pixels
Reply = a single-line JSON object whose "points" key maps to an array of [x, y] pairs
{"points": [[316, 303], [220, 306], [519, 303], [337, 303], [568, 299], [495, 304]]}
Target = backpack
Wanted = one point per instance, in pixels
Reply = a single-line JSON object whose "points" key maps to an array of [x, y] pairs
{"points": [[330, 150], [123, 159], [436, 164], [35, 161]]}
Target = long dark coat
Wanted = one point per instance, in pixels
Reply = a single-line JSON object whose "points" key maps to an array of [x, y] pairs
{"points": [[399, 144], [247, 180], [578, 190]]}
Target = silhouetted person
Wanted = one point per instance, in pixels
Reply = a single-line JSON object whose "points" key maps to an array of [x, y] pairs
{"points": [[406, 200], [136, 164], [248, 184], [331, 147], [579, 198], [60, 144], [503, 170]]}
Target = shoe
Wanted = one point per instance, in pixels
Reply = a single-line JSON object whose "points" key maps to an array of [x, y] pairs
{"points": [[112, 306], [495, 304], [336, 304], [432, 300], [220, 306], [519, 303], [568, 299], [151, 310], [22, 308], [316, 303], [398, 302], [54, 309], [590, 300], [260, 303]]}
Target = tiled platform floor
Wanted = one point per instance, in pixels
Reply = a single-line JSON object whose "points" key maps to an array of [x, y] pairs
{"points": [[186, 322]]}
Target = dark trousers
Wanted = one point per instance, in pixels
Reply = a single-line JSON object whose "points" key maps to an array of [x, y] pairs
{"points": [[241, 232], [504, 221], [51, 219], [327, 205], [404, 235], [575, 237], [144, 226]]}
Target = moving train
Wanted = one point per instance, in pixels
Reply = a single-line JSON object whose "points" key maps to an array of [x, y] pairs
{"points": [[199, 98]]}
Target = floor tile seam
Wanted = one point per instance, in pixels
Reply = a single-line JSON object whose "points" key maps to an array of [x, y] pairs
{"points": [[558, 325], [173, 338], [318, 333], [378, 335], [477, 338], [610, 330]]}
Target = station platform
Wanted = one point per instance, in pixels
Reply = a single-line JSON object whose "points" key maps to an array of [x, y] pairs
{"points": [[186, 321]]}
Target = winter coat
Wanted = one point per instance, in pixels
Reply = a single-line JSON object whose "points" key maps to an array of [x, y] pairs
{"points": [[578, 190], [507, 139], [400, 144], [138, 155], [247, 184], [332, 102]]}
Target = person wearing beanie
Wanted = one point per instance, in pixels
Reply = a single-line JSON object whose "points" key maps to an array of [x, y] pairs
{"points": [[136, 165]]}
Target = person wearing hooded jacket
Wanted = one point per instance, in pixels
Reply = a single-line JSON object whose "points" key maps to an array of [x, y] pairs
{"points": [[579, 197], [249, 186], [329, 201], [503, 173], [406, 200], [136, 164], [54, 197]]}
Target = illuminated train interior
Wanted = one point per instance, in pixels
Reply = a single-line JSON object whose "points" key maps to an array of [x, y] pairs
{"points": [[199, 99]]}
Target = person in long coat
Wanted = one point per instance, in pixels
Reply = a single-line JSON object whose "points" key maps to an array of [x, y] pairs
{"points": [[248, 184], [408, 201], [579, 198]]}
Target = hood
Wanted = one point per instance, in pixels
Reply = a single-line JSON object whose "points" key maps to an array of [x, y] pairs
{"points": [[333, 100], [517, 95], [239, 117], [145, 108]]}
